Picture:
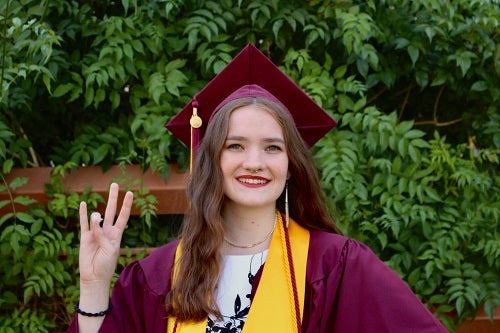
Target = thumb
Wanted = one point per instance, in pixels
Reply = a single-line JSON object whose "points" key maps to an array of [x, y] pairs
{"points": [[95, 221], [98, 232]]}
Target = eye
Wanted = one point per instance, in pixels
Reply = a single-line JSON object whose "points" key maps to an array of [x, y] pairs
{"points": [[234, 146], [274, 148]]}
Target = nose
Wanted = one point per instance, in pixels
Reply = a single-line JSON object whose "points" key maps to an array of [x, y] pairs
{"points": [[253, 160]]}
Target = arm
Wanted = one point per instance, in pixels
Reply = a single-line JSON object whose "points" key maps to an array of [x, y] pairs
{"points": [[374, 298], [351, 290], [99, 250]]}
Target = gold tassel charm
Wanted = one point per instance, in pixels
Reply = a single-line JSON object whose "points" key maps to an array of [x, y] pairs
{"points": [[195, 123], [195, 120]]}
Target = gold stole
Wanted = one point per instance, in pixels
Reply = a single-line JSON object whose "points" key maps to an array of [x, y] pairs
{"points": [[272, 309]]}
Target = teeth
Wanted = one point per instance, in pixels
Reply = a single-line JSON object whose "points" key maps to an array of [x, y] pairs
{"points": [[252, 181]]}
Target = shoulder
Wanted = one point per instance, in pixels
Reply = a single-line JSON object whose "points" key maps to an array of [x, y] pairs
{"points": [[322, 242], [337, 245], [157, 267], [341, 271], [330, 252], [328, 239], [160, 257]]}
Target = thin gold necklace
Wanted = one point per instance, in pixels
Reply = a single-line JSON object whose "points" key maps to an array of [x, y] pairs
{"points": [[253, 244]]}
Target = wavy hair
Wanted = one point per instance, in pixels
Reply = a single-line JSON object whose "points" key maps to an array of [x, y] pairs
{"points": [[192, 297]]}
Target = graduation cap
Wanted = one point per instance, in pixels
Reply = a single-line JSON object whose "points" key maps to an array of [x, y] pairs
{"points": [[250, 74]]}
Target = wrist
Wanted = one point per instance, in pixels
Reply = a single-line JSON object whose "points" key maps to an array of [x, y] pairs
{"points": [[95, 284], [94, 296], [93, 314]]}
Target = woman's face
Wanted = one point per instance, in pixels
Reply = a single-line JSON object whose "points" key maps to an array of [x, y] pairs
{"points": [[254, 160]]}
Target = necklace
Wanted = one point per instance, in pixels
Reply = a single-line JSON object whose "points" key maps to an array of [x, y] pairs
{"points": [[253, 244]]}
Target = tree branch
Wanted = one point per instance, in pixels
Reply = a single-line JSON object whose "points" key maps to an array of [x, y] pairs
{"points": [[374, 97], [437, 123], [405, 100]]}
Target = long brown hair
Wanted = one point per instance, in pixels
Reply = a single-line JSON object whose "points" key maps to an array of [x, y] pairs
{"points": [[192, 296]]}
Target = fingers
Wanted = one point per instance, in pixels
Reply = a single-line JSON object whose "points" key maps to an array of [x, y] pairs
{"points": [[109, 215], [121, 222], [84, 223]]}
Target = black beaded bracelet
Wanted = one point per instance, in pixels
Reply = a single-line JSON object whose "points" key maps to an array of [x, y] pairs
{"points": [[96, 314]]}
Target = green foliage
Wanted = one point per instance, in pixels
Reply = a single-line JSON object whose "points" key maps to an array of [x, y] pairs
{"points": [[37, 261], [411, 170], [429, 210]]}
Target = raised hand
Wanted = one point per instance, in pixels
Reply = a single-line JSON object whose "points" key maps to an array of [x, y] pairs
{"points": [[100, 246], [99, 250]]}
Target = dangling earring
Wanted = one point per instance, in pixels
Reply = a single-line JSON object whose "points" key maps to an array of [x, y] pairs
{"points": [[287, 212]]}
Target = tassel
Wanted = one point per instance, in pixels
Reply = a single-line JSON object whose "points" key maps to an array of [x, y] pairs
{"points": [[195, 123]]}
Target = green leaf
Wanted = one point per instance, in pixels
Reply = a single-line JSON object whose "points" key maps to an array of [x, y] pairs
{"points": [[5, 217], [429, 269], [25, 217], [62, 90], [382, 239], [345, 103], [414, 277], [401, 42], [276, 28], [18, 182], [7, 166], [460, 304], [422, 79], [100, 153], [414, 53], [471, 298], [430, 33], [219, 66], [46, 80], [4, 203], [114, 98], [431, 193], [27, 294], [440, 79], [359, 104], [127, 49], [125, 4], [14, 242], [405, 128], [363, 67], [311, 37], [489, 308], [340, 72], [438, 298], [36, 227], [479, 86], [24, 200], [453, 272], [414, 153], [413, 134], [403, 147], [89, 96]]}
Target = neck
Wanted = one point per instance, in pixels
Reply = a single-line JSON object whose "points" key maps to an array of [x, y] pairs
{"points": [[243, 228]]}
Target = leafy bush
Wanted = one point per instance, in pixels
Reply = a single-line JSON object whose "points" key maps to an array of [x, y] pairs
{"points": [[411, 170], [429, 210]]}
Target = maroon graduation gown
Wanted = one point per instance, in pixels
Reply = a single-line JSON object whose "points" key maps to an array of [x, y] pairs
{"points": [[348, 290]]}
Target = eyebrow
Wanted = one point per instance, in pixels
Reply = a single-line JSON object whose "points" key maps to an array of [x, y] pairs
{"points": [[242, 138]]}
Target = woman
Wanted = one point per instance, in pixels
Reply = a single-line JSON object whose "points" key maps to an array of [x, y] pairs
{"points": [[258, 251]]}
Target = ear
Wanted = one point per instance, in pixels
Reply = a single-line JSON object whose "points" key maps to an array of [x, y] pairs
{"points": [[288, 175]]}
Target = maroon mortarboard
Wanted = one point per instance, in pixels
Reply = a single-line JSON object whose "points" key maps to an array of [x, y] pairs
{"points": [[250, 74]]}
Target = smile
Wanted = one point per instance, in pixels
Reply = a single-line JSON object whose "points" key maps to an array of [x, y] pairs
{"points": [[253, 181]]}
